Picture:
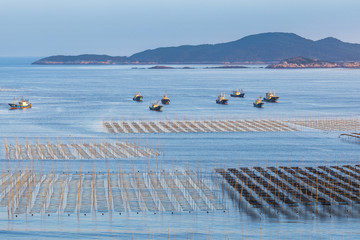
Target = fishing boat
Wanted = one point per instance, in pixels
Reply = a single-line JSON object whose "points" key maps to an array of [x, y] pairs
{"points": [[259, 103], [23, 104], [138, 97], [156, 106], [165, 100], [222, 99], [271, 97], [238, 93]]}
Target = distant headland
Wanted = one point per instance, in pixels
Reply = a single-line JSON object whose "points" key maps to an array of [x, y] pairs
{"points": [[301, 62], [264, 48]]}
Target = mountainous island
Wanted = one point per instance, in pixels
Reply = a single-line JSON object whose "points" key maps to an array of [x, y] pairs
{"points": [[264, 48]]}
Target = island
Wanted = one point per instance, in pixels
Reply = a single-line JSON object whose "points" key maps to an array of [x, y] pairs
{"points": [[263, 48], [161, 67], [302, 62], [84, 59], [226, 67]]}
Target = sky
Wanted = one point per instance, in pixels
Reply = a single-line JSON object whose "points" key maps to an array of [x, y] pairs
{"points": [[40, 28]]}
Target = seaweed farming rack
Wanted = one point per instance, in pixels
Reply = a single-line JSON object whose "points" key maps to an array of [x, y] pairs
{"points": [[323, 191], [91, 150], [8, 90], [193, 126], [230, 125], [256, 192], [29, 193], [329, 124], [350, 137]]}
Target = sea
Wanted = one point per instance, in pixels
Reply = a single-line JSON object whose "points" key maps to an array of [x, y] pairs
{"points": [[70, 103]]}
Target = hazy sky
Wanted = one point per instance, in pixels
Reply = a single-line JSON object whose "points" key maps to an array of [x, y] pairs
{"points": [[124, 27]]}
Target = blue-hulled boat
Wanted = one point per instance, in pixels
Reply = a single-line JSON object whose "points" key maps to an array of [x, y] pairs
{"points": [[23, 104]]}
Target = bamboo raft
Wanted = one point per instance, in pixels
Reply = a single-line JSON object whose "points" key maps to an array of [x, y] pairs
{"points": [[77, 150]]}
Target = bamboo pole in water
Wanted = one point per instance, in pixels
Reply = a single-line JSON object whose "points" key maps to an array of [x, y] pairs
{"points": [[109, 187], [6, 149], [79, 189]]}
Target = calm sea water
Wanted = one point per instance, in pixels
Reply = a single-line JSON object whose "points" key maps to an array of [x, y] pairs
{"points": [[70, 102]]}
